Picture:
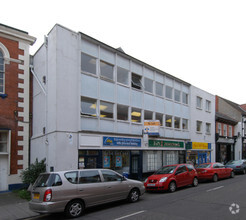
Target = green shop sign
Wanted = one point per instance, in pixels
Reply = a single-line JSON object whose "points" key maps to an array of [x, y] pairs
{"points": [[170, 144]]}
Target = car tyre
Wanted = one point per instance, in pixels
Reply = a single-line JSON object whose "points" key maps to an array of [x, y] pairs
{"points": [[215, 178], [172, 187], [74, 209], [134, 195], [195, 182], [232, 174]]}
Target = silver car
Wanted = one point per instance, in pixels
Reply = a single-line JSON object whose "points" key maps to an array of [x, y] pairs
{"points": [[73, 191]]}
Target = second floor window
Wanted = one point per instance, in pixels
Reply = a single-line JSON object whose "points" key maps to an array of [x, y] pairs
{"points": [[148, 85], [208, 106], [88, 64], [107, 70], [136, 81], [88, 107], [199, 102], [208, 128], [199, 126], [106, 110], [1, 72], [225, 130], [122, 76]]}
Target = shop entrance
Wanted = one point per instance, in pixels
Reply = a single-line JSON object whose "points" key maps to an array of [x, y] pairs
{"points": [[202, 158], [136, 165], [91, 162]]}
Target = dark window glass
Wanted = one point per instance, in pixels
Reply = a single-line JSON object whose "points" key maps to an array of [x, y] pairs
{"points": [[107, 70], [136, 81], [91, 176], [88, 64], [88, 106], [122, 112]]}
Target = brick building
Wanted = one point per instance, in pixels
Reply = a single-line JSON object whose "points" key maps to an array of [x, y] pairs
{"points": [[14, 104]]}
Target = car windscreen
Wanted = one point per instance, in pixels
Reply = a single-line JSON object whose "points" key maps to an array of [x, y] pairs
{"points": [[204, 165], [166, 170], [234, 162]]}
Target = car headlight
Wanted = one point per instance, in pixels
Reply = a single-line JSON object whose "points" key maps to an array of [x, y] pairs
{"points": [[163, 179], [146, 180]]}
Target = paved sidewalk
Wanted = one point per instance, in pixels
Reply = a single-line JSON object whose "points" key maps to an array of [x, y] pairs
{"points": [[13, 207]]}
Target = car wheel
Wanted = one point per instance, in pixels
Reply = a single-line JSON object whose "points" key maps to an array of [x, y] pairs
{"points": [[172, 187], [74, 209], [232, 174], [134, 195], [215, 178], [195, 182]]}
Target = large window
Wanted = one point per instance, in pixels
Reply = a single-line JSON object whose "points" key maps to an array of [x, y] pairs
{"points": [[159, 116], [185, 98], [1, 72], [148, 85], [136, 115], [136, 81], [148, 115], [169, 92], [3, 142], [158, 89], [152, 161], [168, 121], [122, 76], [88, 106], [185, 124], [122, 112], [107, 70], [88, 64], [177, 122], [177, 95], [106, 110]]}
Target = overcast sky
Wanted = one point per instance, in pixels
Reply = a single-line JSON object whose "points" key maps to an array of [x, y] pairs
{"points": [[202, 42]]}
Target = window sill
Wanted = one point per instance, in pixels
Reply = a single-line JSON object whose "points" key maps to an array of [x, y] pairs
{"points": [[3, 96]]}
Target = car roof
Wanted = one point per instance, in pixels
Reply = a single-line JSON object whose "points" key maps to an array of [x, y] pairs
{"points": [[67, 171]]}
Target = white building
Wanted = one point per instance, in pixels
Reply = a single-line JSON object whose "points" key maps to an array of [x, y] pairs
{"points": [[91, 100], [201, 148]]}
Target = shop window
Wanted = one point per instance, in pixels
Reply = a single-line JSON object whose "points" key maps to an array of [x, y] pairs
{"points": [[2, 73], [176, 122], [168, 121], [199, 102], [198, 126], [185, 98], [122, 76], [208, 128], [152, 162], [159, 116], [177, 95], [170, 157], [122, 112], [136, 115], [3, 142], [208, 106], [158, 89], [107, 70], [106, 110], [88, 106], [169, 92], [91, 176], [88, 64], [136, 81], [185, 124], [148, 115], [148, 85]]}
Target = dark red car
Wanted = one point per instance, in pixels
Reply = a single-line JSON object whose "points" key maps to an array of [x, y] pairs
{"points": [[171, 177], [213, 171]]}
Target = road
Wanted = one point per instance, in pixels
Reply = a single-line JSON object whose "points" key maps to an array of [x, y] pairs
{"points": [[207, 201]]}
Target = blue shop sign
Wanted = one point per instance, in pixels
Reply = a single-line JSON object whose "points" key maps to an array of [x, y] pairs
{"points": [[121, 142]]}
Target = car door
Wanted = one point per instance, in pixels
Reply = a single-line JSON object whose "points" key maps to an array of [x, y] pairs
{"points": [[116, 186], [182, 176]]}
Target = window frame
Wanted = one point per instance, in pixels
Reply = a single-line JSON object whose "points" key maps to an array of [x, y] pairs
{"points": [[101, 109], [117, 74], [134, 84], [167, 92], [124, 106], [199, 102], [199, 124], [105, 75], [186, 124], [177, 125], [208, 106], [208, 128], [137, 110], [156, 89], [170, 117], [177, 95], [94, 107], [185, 98], [146, 81]]}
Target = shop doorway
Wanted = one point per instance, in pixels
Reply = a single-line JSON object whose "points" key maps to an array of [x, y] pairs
{"points": [[202, 158], [90, 162], [136, 166]]}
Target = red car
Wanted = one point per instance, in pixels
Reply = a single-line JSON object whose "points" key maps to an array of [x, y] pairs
{"points": [[171, 177], [214, 171]]}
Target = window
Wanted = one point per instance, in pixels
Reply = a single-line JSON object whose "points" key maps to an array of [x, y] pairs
{"points": [[88, 107], [3, 142], [190, 167], [170, 157], [136, 115], [152, 161], [225, 130], [91, 176], [148, 85], [159, 116], [181, 169], [158, 89], [106, 110], [177, 122], [185, 98], [230, 131], [107, 70], [110, 176], [88, 64], [72, 177], [177, 95], [56, 180], [1, 72], [169, 92], [208, 106], [208, 128], [148, 115], [185, 124], [198, 126], [219, 129], [122, 76], [168, 121], [122, 112], [199, 102], [136, 81]]}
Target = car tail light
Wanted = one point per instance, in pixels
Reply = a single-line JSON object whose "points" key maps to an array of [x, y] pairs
{"points": [[47, 195], [238, 166]]}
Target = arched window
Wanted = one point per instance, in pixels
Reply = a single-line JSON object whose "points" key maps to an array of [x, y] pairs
{"points": [[1, 72]]}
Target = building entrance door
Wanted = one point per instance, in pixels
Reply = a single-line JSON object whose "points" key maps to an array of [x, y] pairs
{"points": [[3, 172]]}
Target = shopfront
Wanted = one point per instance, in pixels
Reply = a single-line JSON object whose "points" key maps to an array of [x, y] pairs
{"points": [[225, 150], [198, 153]]}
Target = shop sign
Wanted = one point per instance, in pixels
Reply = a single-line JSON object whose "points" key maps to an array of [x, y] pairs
{"points": [[167, 144], [152, 127], [198, 146], [121, 142]]}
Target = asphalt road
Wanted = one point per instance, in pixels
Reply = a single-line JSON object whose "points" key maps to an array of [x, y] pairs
{"points": [[225, 199]]}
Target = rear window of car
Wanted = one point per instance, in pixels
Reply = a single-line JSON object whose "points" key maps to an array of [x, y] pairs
{"points": [[204, 165], [47, 180]]}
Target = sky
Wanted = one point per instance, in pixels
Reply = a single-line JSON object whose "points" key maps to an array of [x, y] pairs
{"points": [[202, 42]]}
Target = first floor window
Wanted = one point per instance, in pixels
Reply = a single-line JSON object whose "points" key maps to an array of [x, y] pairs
{"points": [[159, 116], [3, 142], [168, 121], [88, 106], [148, 115], [136, 115], [122, 112], [177, 122], [225, 131], [198, 126], [230, 131], [185, 124], [208, 128], [106, 110]]}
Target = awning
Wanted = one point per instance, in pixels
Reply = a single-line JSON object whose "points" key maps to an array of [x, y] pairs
{"points": [[225, 141]]}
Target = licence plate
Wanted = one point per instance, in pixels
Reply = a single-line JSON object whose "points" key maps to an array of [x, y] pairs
{"points": [[36, 196], [151, 184]]}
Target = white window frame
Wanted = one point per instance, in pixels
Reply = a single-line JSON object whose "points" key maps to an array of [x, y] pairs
{"points": [[208, 128], [94, 58], [104, 75], [199, 126], [198, 102], [208, 106]]}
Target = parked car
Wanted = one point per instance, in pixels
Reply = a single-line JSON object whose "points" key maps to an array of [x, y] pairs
{"points": [[239, 166], [73, 191], [213, 171], [171, 177]]}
